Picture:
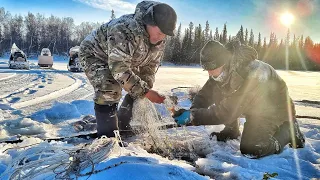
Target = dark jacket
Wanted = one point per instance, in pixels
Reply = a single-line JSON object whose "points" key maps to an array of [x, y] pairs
{"points": [[255, 91]]}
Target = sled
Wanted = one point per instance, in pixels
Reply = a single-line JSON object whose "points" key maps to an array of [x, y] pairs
{"points": [[45, 59]]}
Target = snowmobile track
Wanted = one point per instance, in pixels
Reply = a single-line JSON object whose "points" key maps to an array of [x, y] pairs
{"points": [[17, 83], [51, 96], [8, 77], [78, 91]]}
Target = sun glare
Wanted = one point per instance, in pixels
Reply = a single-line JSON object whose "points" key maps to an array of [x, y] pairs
{"points": [[287, 19]]}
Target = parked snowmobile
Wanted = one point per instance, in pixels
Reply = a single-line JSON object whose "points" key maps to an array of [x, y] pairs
{"points": [[18, 60], [74, 64], [45, 59]]}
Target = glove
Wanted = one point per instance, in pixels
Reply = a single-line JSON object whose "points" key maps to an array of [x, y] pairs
{"points": [[155, 97], [183, 118]]}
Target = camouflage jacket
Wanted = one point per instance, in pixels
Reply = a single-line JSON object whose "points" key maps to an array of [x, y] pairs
{"points": [[123, 44]]}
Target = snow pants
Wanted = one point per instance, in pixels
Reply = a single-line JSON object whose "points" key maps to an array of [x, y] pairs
{"points": [[109, 119]]}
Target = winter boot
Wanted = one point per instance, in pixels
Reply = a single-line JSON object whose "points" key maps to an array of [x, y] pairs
{"points": [[298, 141], [125, 116], [231, 131], [292, 136], [107, 120], [88, 123]]}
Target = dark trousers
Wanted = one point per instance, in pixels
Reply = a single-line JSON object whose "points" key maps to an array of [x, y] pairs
{"points": [[109, 119], [125, 113], [106, 118], [259, 140]]}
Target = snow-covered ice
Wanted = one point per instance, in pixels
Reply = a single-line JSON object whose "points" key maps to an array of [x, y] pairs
{"points": [[43, 103]]}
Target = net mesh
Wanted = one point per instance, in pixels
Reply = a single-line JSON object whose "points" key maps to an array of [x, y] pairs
{"points": [[154, 137], [61, 161]]}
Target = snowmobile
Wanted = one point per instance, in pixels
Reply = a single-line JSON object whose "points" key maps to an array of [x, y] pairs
{"points": [[18, 60], [74, 64], [45, 59]]}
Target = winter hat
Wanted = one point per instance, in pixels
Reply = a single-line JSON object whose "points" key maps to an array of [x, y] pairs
{"points": [[214, 55], [243, 54], [163, 16]]}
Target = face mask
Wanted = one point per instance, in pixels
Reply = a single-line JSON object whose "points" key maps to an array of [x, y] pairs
{"points": [[220, 78]]}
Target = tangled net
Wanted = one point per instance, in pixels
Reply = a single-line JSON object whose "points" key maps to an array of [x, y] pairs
{"points": [[64, 162], [146, 121]]}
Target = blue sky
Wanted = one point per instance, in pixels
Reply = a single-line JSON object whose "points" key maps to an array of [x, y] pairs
{"points": [[260, 15]]}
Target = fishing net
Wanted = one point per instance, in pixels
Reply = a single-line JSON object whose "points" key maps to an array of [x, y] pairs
{"points": [[59, 160]]}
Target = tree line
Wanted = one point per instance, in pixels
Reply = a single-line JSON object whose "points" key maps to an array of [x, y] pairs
{"points": [[292, 53], [33, 32]]}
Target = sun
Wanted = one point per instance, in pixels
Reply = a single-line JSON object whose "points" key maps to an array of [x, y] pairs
{"points": [[287, 19]]}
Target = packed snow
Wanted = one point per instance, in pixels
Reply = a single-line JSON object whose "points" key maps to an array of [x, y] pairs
{"points": [[44, 103]]}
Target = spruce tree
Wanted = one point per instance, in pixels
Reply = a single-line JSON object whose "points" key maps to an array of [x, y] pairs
{"points": [[224, 34], [240, 35], [251, 40], [113, 16], [246, 37], [177, 47], [210, 37], [206, 32], [216, 36]]}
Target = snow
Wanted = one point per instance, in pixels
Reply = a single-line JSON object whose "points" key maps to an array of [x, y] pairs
{"points": [[143, 168], [42, 103], [290, 164], [64, 111]]}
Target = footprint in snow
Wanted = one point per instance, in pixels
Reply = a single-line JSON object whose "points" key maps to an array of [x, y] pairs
{"points": [[14, 100]]}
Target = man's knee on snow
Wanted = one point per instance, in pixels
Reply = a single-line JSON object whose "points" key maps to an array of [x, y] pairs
{"points": [[251, 150], [260, 149]]}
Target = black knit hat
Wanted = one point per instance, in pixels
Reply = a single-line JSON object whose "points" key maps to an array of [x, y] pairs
{"points": [[163, 16], [214, 55]]}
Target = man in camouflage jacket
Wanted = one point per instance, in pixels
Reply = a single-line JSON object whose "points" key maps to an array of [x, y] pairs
{"points": [[239, 84], [125, 53]]}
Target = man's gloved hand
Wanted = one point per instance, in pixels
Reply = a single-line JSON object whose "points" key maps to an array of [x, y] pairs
{"points": [[155, 97], [182, 116]]}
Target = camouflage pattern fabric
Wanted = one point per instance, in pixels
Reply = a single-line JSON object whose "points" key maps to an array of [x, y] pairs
{"points": [[119, 55]]}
